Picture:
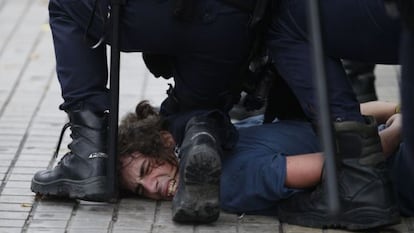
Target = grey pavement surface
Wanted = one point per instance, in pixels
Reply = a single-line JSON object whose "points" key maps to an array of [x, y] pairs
{"points": [[30, 123]]}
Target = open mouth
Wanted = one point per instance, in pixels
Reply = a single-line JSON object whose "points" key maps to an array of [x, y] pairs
{"points": [[172, 187]]}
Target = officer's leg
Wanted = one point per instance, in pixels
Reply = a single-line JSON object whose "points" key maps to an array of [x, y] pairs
{"points": [[292, 60], [203, 130], [207, 132], [206, 52], [362, 79], [374, 37], [197, 107], [81, 70], [356, 137], [203, 94], [401, 165], [404, 161], [82, 74]]}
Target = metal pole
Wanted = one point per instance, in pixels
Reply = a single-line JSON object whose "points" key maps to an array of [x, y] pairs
{"points": [[325, 124], [114, 93]]}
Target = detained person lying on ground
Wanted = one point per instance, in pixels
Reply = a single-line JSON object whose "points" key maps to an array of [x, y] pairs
{"points": [[270, 162]]}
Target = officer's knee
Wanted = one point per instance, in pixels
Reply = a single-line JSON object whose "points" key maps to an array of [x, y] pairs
{"points": [[54, 5]]}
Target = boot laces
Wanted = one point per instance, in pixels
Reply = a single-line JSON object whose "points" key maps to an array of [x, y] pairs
{"points": [[62, 132]]}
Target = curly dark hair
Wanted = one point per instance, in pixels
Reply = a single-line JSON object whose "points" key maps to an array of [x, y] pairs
{"points": [[140, 132]]}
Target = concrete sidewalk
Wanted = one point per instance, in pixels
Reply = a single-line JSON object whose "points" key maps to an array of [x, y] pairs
{"points": [[30, 123]]}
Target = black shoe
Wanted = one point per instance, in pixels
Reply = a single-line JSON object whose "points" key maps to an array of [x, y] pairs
{"points": [[365, 190], [362, 79], [81, 173], [197, 197]]}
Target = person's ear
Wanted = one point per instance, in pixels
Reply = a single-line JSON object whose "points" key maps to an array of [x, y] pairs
{"points": [[167, 139]]}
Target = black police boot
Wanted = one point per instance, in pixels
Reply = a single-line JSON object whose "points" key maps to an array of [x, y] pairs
{"points": [[81, 173], [362, 79], [197, 197], [365, 190]]}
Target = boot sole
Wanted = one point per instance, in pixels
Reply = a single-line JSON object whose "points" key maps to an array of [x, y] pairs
{"points": [[198, 199], [355, 219], [92, 189]]}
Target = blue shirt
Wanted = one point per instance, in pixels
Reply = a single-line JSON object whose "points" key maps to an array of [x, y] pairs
{"points": [[253, 173]]}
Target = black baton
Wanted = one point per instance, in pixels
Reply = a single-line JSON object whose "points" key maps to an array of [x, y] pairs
{"points": [[325, 124], [114, 93]]}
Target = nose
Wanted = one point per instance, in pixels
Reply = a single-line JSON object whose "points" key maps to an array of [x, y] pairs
{"points": [[149, 186]]}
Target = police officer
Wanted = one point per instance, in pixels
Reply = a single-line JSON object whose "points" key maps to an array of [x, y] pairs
{"points": [[205, 41], [406, 11], [354, 30]]}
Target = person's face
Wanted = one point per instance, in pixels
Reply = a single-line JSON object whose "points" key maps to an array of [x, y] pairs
{"points": [[155, 181]]}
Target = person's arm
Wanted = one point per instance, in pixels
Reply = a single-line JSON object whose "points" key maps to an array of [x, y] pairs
{"points": [[386, 113], [305, 170], [391, 135], [380, 110]]}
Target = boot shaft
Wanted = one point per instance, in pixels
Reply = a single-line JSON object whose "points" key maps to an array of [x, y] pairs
{"points": [[89, 134], [361, 185], [82, 172], [88, 156], [201, 130], [362, 173], [359, 140], [362, 79]]}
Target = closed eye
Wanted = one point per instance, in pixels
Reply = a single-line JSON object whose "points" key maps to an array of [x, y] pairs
{"points": [[146, 168], [143, 169]]}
